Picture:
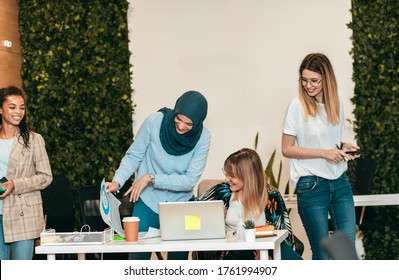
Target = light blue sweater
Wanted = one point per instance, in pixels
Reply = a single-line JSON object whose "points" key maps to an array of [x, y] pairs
{"points": [[175, 176], [5, 151]]}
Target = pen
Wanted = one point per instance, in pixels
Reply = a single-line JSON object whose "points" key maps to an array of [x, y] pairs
{"points": [[339, 148]]}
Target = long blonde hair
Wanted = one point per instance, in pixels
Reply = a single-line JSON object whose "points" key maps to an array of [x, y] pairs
{"points": [[246, 165], [319, 63]]}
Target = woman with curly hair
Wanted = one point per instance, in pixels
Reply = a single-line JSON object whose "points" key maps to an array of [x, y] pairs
{"points": [[25, 169]]}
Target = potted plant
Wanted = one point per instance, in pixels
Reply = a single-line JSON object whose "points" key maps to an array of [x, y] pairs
{"points": [[249, 231]]}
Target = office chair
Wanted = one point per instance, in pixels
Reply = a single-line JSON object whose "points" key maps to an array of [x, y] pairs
{"points": [[91, 220], [360, 174], [338, 246], [59, 207], [89, 203]]}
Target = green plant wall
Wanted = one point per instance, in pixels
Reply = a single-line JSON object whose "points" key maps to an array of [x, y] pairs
{"points": [[76, 72], [376, 75]]}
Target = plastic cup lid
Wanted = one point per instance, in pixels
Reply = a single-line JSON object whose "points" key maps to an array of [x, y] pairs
{"points": [[131, 219]]}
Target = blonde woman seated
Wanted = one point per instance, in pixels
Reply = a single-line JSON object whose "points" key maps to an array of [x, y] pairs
{"points": [[247, 194]]}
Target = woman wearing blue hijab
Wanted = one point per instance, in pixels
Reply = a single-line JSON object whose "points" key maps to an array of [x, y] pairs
{"points": [[169, 154]]}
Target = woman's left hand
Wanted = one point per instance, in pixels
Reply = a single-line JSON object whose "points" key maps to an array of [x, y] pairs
{"points": [[349, 147], [137, 187]]}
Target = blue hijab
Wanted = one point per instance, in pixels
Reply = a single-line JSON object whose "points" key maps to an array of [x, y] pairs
{"points": [[193, 105]]}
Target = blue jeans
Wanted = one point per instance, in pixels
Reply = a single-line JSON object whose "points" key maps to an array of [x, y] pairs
{"points": [[149, 218], [21, 250], [318, 197]]}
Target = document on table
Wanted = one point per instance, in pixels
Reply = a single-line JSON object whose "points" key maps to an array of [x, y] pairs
{"points": [[151, 233], [109, 208]]}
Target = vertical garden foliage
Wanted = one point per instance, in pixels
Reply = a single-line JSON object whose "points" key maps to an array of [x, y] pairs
{"points": [[76, 72], [376, 75]]}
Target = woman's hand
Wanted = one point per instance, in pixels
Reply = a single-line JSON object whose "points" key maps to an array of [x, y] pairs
{"points": [[111, 186], [346, 148], [137, 187], [9, 185], [349, 147], [340, 154], [334, 156]]}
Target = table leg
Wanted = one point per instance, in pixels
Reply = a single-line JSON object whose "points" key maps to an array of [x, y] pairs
{"points": [[277, 252], [81, 256], [264, 254]]}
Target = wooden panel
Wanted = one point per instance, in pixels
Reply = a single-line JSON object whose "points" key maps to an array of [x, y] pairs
{"points": [[10, 58], [10, 69], [9, 19], [12, 5]]}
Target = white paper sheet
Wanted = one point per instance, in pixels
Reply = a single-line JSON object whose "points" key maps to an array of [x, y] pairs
{"points": [[109, 208], [151, 233]]}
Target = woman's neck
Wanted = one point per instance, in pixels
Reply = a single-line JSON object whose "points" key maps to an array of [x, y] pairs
{"points": [[237, 196], [8, 132]]}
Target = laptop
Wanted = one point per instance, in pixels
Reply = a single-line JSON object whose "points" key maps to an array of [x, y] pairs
{"points": [[192, 220]]}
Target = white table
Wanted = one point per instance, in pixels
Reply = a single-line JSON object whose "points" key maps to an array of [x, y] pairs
{"points": [[360, 200], [157, 245]]}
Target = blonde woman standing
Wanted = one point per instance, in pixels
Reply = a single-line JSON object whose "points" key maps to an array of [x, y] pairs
{"points": [[318, 159]]}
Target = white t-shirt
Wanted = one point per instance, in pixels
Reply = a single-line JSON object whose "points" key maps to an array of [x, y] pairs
{"points": [[316, 133], [236, 209]]}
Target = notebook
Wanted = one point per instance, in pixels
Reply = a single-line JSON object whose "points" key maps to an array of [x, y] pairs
{"points": [[192, 220]]}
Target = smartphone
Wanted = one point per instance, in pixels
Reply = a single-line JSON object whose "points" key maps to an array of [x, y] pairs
{"points": [[3, 189], [353, 153]]}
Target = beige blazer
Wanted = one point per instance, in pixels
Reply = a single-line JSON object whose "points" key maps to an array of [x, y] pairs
{"points": [[29, 169]]}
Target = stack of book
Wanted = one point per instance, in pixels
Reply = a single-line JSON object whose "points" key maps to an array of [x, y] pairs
{"points": [[265, 230]]}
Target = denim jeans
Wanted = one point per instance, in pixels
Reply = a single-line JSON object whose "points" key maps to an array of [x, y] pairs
{"points": [[21, 250], [318, 197], [149, 218]]}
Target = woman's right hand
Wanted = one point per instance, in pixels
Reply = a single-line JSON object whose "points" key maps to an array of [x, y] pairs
{"points": [[291, 151], [111, 186], [334, 155]]}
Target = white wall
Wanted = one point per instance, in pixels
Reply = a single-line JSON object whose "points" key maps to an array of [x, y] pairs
{"points": [[243, 55]]}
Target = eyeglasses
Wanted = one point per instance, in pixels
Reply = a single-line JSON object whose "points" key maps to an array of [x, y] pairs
{"points": [[226, 175], [313, 83]]}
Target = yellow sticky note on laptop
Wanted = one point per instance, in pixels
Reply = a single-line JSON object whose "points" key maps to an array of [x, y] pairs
{"points": [[192, 222]]}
